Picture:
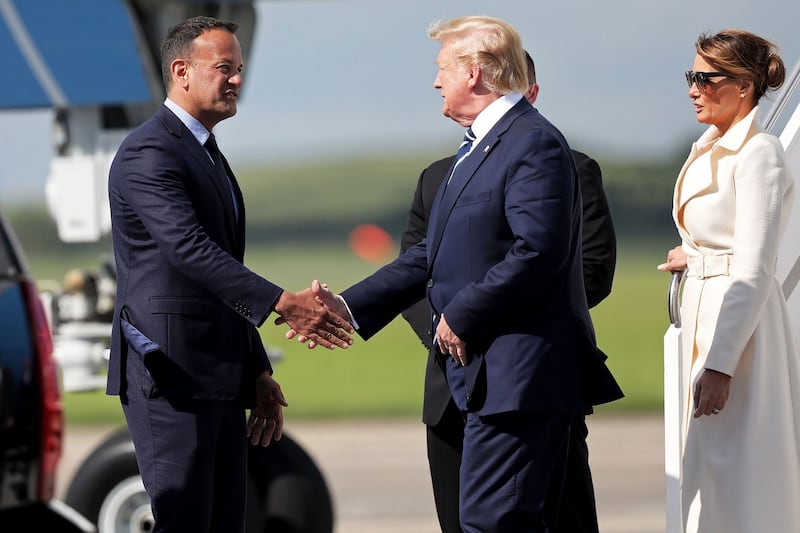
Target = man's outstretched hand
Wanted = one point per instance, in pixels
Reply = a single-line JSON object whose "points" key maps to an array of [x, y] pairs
{"points": [[332, 302], [308, 316]]}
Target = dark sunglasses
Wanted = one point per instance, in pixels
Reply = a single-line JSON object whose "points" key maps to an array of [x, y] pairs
{"points": [[702, 78]]}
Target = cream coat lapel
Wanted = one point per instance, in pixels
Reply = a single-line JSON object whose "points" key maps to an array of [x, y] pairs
{"points": [[732, 141]]}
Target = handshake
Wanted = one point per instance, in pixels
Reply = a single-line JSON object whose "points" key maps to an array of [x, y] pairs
{"points": [[317, 316]]}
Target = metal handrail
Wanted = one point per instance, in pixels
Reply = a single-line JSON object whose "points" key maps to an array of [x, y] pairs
{"points": [[783, 98], [674, 298]]}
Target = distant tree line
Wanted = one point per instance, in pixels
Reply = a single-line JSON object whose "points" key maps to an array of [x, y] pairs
{"points": [[325, 202]]}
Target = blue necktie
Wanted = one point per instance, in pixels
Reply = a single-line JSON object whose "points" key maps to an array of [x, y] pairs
{"points": [[466, 144]]}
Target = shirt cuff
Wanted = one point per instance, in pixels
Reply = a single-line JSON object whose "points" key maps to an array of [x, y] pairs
{"points": [[349, 312]]}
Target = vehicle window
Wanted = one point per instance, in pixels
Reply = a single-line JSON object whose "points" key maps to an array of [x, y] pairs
{"points": [[9, 266]]}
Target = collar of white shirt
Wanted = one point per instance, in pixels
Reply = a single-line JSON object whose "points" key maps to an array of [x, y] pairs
{"points": [[487, 118]]}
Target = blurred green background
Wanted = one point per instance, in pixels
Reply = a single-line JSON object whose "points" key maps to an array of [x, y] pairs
{"points": [[300, 219]]}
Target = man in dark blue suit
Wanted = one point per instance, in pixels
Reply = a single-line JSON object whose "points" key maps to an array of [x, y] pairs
{"points": [[444, 423], [186, 357], [501, 268]]}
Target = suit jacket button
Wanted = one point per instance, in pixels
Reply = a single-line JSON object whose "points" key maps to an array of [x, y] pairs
{"points": [[430, 283]]}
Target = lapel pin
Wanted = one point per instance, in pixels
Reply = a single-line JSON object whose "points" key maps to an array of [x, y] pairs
{"points": [[486, 149]]}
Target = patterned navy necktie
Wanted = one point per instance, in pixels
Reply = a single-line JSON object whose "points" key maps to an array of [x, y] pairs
{"points": [[463, 150], [466, 144], [216, 156]]}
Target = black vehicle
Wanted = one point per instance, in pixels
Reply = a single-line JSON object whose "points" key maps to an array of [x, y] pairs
{"points": [[31, 417]]}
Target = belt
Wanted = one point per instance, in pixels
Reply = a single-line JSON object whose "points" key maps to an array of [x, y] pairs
{"points": [[709, 266]]}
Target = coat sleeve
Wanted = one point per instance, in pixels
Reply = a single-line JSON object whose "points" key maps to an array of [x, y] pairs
{"points": [[599, 241], [378, 299], [762, 183]]}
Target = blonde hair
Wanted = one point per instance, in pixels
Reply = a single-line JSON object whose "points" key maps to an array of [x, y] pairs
{"points": [[490, 44]]}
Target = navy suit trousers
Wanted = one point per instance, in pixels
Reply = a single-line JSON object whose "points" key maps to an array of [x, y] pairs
{"points": [[512, 471], [192, 458]]}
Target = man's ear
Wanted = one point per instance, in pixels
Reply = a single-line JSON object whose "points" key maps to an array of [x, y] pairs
{"points": [[532, 93], [179, 69], [475, 75]]}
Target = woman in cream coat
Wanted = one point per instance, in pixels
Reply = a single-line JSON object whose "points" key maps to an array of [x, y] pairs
{"points": [[741, 457]]}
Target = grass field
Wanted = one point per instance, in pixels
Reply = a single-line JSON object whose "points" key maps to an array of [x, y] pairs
{"points": [[299, 220], [384, 377]]}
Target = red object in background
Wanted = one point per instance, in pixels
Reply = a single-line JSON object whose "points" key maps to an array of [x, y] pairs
{"points": [[372, 243]]}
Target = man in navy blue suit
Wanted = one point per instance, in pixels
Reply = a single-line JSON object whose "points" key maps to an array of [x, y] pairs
{"points": [[501, 268], [444, 423], [186, 357]]}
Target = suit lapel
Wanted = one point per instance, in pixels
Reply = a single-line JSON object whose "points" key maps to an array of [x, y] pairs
{"points": [[215, 176], [449, 193], [731, 142]]}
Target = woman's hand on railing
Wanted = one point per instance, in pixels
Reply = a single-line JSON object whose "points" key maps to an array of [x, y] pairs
{"points": [[676, 261]]}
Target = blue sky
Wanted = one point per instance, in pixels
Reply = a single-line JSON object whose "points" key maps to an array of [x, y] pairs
{"points": [[345, 77]]}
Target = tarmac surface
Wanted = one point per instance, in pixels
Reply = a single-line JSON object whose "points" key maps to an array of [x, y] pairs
{"points": [[377, 471]]}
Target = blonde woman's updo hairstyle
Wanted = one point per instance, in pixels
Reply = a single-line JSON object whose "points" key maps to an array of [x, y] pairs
{"points": [[743, 55]]}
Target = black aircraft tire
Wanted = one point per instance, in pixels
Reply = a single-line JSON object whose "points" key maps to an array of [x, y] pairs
{"points": [[110, 476], [292, 491]]}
